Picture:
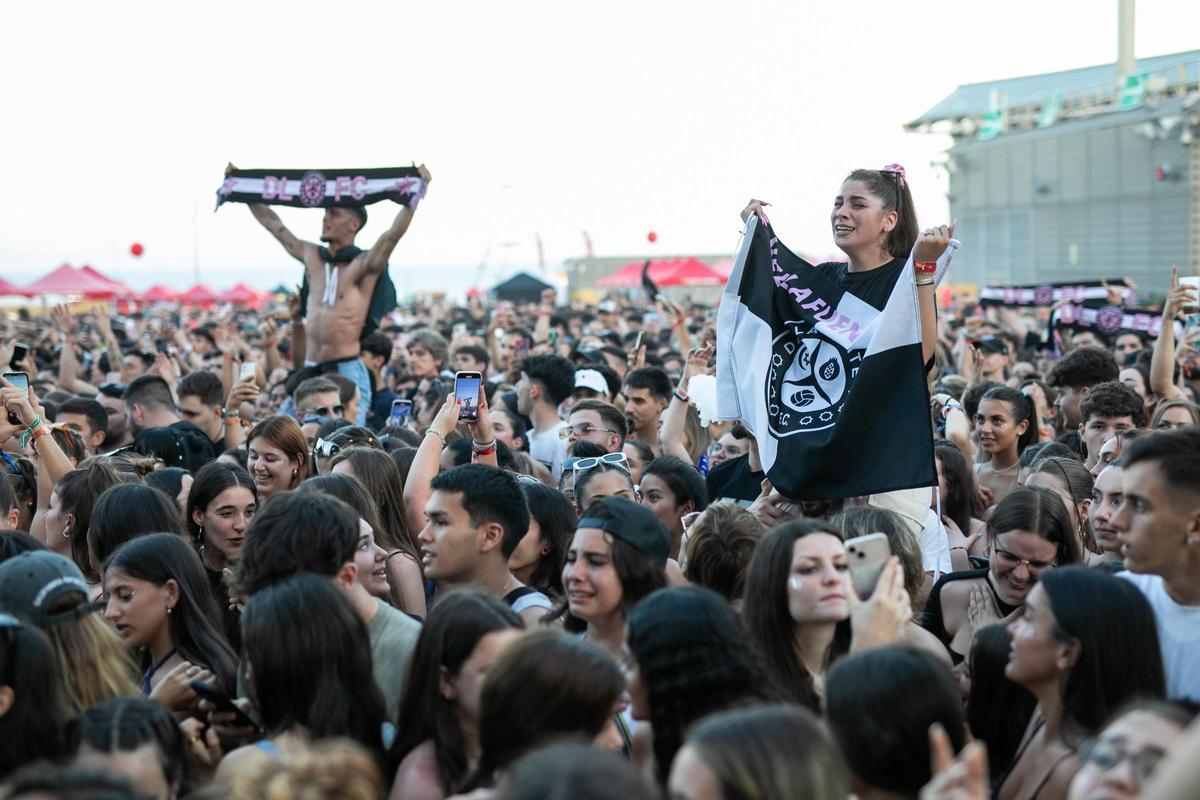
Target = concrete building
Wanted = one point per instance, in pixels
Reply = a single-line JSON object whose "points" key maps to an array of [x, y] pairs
{"points": [[1083, 174]]}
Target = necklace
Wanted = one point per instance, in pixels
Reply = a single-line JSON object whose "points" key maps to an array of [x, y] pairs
{"points": [[1009, 468]]}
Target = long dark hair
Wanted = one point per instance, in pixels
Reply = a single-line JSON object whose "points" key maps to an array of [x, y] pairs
{"points": [[546, 685], [695, 659], [1119, 660], [768, 619], [78, 491], [892, 190], [556, 520], [307, 662], [127, 511], [32, 728], [998, 709], [196, 628], [208, 484], [880, 704], [379, 474], [1023, 410], [962, 500], [455, 625]]}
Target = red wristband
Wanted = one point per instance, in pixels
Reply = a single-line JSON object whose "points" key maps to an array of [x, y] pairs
{"points": [[926, 267]]}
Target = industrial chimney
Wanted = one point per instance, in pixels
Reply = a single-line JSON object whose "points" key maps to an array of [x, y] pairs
{"points": [[1125, 59]]}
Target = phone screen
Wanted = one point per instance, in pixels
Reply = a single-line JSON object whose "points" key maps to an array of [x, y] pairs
{"points": [[466, 391], [249, 371], [401, 409], [18, 379]]}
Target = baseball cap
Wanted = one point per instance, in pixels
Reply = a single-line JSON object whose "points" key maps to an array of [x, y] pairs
{"points": [[591, 379], [34, 583], [992, 344], [633, 524], [589, 354]]}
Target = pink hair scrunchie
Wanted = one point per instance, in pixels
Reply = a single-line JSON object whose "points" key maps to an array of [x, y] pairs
{"points": [[898, 169]]}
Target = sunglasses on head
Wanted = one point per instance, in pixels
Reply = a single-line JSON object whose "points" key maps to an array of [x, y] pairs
{"points": [[325, 449], [584, 464]]}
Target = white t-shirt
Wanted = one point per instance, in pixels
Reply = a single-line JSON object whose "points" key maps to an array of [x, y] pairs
{"points": [[1178, 635], [548, 448], [935, 547]]}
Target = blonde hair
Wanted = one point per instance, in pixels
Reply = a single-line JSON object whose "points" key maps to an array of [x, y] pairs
{"points": [[332, 769], [697, 435], [94, 664]]}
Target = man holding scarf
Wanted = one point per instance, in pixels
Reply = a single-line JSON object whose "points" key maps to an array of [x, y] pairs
{"points": [[341, 279]]}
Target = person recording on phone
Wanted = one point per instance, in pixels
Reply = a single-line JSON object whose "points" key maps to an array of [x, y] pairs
{"points": [[341, 278]]}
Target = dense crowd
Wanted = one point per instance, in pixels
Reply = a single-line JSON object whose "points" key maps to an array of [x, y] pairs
{"points": [[241, 563]]}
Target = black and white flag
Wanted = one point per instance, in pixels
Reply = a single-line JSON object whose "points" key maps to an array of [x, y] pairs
{"points": [[833, 388], [323, 188]]}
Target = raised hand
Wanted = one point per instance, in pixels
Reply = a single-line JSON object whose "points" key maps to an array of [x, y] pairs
{"points": [[932, 242], [1179, 297], [756, 207], [961, 778]]}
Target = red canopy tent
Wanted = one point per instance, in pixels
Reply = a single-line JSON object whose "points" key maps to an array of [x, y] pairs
{"points": [[241, 294], [123, 292], [687, 271], [68, 280], [7, 288], [198, 295], [158, 294]]}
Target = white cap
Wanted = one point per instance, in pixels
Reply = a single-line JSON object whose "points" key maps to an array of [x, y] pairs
{"points": [[591, 379]]}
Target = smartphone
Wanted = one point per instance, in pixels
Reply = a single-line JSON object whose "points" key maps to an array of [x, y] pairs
{"points": [[19, 380], [20, 352], [500, 333], [401, 410], [553, 339], [1192, 281], [249, 371], [521, 351], [868, 555], [466, 391], [212, 694], [160, 345], [637, 343]]}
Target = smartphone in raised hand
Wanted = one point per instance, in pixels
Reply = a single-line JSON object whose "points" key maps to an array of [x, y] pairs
{"points": [[868, 556], [19, 380], [466, 391]]}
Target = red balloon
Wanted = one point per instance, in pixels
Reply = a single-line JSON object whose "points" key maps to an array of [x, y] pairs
{"points": [[652, 237], [137, 249]]}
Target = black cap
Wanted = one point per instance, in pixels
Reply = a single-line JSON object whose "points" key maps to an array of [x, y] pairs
{"points": [[992, 344], [33, 582], [631, 523]]}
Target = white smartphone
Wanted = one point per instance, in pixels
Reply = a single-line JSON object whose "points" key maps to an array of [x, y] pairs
{"points": [[1192, 281], [249, 371], [466, 391], [868, 555]]}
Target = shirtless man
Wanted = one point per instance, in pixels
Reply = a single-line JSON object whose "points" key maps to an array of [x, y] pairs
{"points": [[340, 285]]}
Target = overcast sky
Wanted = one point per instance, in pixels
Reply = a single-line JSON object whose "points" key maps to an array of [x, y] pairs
{"points": [[547, 118]]}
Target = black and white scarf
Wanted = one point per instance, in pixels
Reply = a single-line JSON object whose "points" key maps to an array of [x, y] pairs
{"points": [[1089, 293], [323, 188]]}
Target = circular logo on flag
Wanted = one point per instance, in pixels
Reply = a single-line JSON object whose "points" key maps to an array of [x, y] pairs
{"points": [[1043, 295], [807, 380], [312, 189], [1109, 319]]}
